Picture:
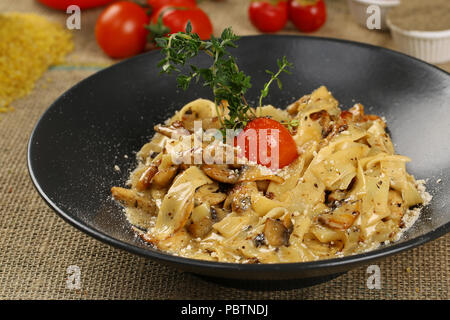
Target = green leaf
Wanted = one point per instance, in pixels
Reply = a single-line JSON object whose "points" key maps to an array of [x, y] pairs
{"points": [[223, 75], [280, 85], [189, 27]]}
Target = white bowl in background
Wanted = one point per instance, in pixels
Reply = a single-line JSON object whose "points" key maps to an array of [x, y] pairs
{"points": [[358, 9], [430, 46]]}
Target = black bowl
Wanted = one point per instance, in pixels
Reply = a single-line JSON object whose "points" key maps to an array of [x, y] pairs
{"points": [[110, 115]]}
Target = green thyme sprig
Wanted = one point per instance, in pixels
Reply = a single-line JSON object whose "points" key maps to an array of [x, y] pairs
{"points": [[227, 82], [291, 124], [283, 66], [156, 30]]}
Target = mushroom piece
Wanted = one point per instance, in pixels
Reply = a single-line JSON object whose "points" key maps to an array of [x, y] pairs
{"points": [[146, 178], [174, 129], [263, 185], [164, 176], [337, 127], [239, 198], [208, 194], [201, 221], [132, 199], [276, 233], [324, 120], [218, 213], [334, 198], [200, 228], [341, 217], [221, 173], [160, 173]]}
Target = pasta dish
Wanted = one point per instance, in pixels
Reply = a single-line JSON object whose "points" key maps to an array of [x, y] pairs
{"points": [[339, 188]]}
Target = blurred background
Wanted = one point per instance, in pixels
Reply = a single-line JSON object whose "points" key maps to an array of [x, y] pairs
{"points": [[98, 35]]}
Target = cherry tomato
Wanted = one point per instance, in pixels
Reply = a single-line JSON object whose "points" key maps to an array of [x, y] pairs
{"points": [[83, 4], [307, 15], [287, 149], [268, 16], [177, 19], [158, 4], [120, 29]]}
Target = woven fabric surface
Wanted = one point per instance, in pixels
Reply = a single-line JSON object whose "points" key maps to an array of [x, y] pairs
{"points": [[37, 247]]}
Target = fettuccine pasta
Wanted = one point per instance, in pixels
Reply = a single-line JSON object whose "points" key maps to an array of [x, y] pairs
{"points": [[346, 193]]}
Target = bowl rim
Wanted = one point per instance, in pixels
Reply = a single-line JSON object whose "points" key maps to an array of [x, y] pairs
{"points": [[383, 3], [282, 268]]}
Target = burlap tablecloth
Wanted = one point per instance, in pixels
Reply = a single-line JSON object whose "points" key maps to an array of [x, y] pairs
{"points": [[36, 246]]}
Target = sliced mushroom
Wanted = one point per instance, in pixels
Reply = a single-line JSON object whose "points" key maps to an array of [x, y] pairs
{"points": [[185, 166], [259, 240], [201, 222], [334, 198], [145, 179], [324, 120], [160, 173], [318, 115], [164, 176], [218, 213], [200, 228], [132, 199], [208, 194], [342, 217], [276, 233], [239, 199], [263, 185], [176, 128], [337, 127], [241, 204], [221, 173]]}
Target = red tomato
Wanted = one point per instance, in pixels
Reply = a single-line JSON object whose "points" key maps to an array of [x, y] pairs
{"points": [[287, 149], [307, 15], [120, 29], [177, 19], [158, 4], [83, 4], [268, 16]]}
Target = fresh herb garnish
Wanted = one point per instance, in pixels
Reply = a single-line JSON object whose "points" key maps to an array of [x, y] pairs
{"points": [[156, 30], [229, 84], [283, 66], [291, 124]]}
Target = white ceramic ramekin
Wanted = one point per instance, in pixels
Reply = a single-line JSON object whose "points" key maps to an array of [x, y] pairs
{"points": [[358, 9], [430, 46]]}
